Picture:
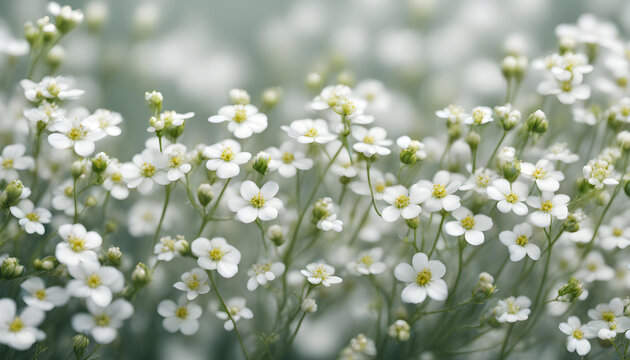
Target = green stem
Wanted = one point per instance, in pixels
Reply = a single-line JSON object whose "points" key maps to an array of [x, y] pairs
{"points": [[496, 148], [159, 227], [437, 235], [368, 162]]}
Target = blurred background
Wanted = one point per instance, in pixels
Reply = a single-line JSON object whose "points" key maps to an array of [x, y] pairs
{"points": [[427, 54]]}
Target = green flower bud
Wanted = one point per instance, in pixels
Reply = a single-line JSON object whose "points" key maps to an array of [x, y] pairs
{"points": [[571, 223], [626, 188], [413, 223], [521, 67], [271, 97], [275, 234], [454, 131], [14, 190], [114, 256], [154, 100], [571, 290], [473, 139], [583, 185], [46, 264], [537, 122], [239, 97], [623, 139], [91, 201], [77, 169], [261, 163], [55, 56], [67, 19], [182, 246], [174, 132], [508, 66], [141, 275], [511, 170], [321, 209], [80, 342], [31, 33], [11, 268], [314, 81], [110, 227], [205, 194]]}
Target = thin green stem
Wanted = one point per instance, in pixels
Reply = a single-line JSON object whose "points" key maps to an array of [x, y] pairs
{"points": [[159, 227], [368, 162]]}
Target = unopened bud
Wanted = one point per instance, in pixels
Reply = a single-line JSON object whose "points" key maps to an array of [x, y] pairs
{"points": [[473, 139], [11, 268], [413, 223], [154, 100], [114, 256], [275, 234], [205, 194], [239, 97], [271, 97], [261, 163], [182, 246], [141, 275], [309, 305], [537, 122], [77, 169]]}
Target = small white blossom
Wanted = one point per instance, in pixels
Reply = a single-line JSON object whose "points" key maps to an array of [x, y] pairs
{"points": [[470, 225], [403, 202], [256, 203], [216, 254], [577, 341], [13, 159], [37, 295], [243, 120], [479, 116], [95, 282], [371, 141], [182, 316], [263, 272], [225, 158], [238, 310], [145, 169], [442, 191], [513, 309], [20, 331], [549, 206], [321, 273], [543, 173], [510, 197], [369, 262], [103, 322], [31, 219], [78, 245], [518, 242], [194, 283], [423, 277], [308, 131]]}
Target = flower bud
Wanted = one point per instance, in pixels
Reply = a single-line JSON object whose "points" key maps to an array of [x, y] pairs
{"points": [[309, 305], [623, 139], [271, 97], [454, 131], [49, 32], [154, 100], [77, 169], [239, 97], [80, 342], [321, 209], [413, 223], [484, 289], [205, 194], [537, 122], [157, 124], [314, 81], [626, 188], [512, 170], [110, 227], [473, 139], [275, 234], [55, 57], [114, 256], [141, 275], [96, 13], [182, 246], [399, 330], [14, 190], [571, 290], [571, 223], [91, 201], [46, 264], [11, 268], [521, 67], [508, 66], [67, 19], [261, 163], [31, 33], [566, 44]]}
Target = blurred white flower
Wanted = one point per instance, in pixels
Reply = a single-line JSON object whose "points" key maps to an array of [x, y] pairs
{"points": [[103, 322]]}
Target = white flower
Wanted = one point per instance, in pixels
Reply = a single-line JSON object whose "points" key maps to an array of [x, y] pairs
{"points": [[594, 268], [543, 173], [470, 225], [361, 347], [371, 141], [423, 277], [510, 197], [114, 181], [105, 120], [287, 161], [599, 173], [182, 316], [194, 283], [369, 262], [145, 169], [263, 272], [330, 96], [256, 203], [30, 218], [144, 217], [103, 321], [66, 13], [216, 254], [321, 273], [583, 115], [63, 197], [379, 181], [50, 88], [548, 206], [177, 163], [78, 245], [13, 159], [243, 120], [479, 116], [172, 118], [167, 248], [308, 131], [518, 242], [406, 143], [560, 152], [513, 309], [616, 234], [238, 310], [45, 113], [330, 222], [76, 133], [20, 331], [479, 180], [37, 295], [577, 341], [608, 319], [95, 282], [225, 158], [403, 202], [453, 113], [442, 188]]}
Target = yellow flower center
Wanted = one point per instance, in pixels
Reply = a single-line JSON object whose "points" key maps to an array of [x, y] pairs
{"points": [[93, 281], [539, 173], [477, 116], [608, 316], [227, 154], [193, 282], [522, 240], [32, 216], [512, 308], [77, 244], [257, 201], [622, 82], [233, 310], [483, 180], [16, 325], [423, 277], [76, 133], [53, 89], [366, 260], [240, 115], [168, 244], [68, 191], [40, 294], [116, 177], [216, 254], [181, 312], [439, 191], [175, 161], [320, 272], [401, 201], [468, 222], [288, 157], [262, 268], [566, 86], [312, 132], [7, 163], [368, 139], [102, 320], [546, 206], [512, 198], [617, 231], [380, 187], [578, 334], [147, 170]]}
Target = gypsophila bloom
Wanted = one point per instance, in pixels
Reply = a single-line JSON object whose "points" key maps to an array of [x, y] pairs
{"points": [[320, 273], [76, 133], [518, 242], [324, 213], [403, 202], [194, 283], [479, 180], [105, 120], [145, 169], [237, 310], [263, 272], [114, 181], [177, 162], [599, 173], [50, 88], [578, 335], [369, 262], [13, 159], [549, 206], [103, 322], [594, 268], [513, 309], [608, 319], [225, 158], [78, 245], [441, 192], [510, 197], [30, 218], [360, 346], [423, 277], [414, 147], [330, 96], [287, 161], [543, 173], [470, 225], [453, 113], [243, 120], [371, 141], [20, 331], [479, 116], [256, 203], [95, 282], [182, 316], [216, 254], [615, 234], [309, 131], [37, 295], [167, 248], [560, 152]]}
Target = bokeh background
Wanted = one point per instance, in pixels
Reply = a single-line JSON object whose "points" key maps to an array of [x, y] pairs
{"points": [[427, 53]]}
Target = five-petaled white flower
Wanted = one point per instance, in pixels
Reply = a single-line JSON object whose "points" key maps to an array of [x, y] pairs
{"points": [[442, 191], [194, 283], [263, 272], [39, 296], [225, 158], [50, 88], [182, 316], [256, 203], [615, 234], [237, 309], [145, 169], [543, 173], [549, 206], [177, 162], [287, 161], [599, 173], [578, 335], [423, 277], [103, 321], [371, 141], [608, 319], [216, 254], [470, 225], [30, 218], [308, 131], [403, 202], [78, 245], [13, 159], [321, 273], [243, 120], [95, 282], [518, 242], [510, 197], [479, 116], [75, 132], [513, 309], [105, 120], [369, 262], [20, 331], [330, 96]]}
